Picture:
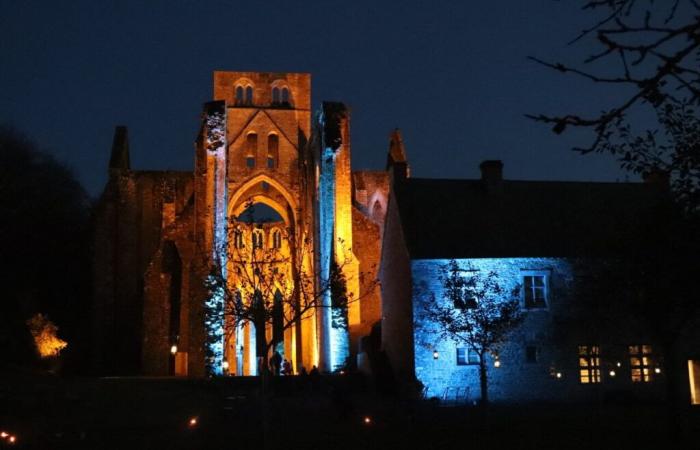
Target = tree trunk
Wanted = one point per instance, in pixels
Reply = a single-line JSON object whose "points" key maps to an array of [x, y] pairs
{"points": [[483, 382]]}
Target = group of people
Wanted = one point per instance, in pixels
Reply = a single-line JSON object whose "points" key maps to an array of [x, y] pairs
{"points": [[279, 366]]}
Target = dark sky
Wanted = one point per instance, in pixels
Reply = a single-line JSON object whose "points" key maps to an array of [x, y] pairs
{"points": [[452, 75]]}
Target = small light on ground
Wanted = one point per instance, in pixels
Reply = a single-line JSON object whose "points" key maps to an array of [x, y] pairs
{"points": [[12, 439], [173, 349], [657, 370], [3, 434], [619, 364], [612, 373], [342, 372], [193, 422], [367, 420], [558, 374]]}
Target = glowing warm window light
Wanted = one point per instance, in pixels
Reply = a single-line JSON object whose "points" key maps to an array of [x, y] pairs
{"points": [[694, 381], [173, 349], [641, 363], [589, 363]]}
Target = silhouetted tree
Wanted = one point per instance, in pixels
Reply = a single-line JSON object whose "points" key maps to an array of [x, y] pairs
{"points": [[473, 309], [651, 51], [44, 241]]}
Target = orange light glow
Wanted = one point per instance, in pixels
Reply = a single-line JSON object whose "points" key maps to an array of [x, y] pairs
{"points": [[193, 422], [44, 333], [3, 434], [367, 420], [173, 349], [12, 439]]}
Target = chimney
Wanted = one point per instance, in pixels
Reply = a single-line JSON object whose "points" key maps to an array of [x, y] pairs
{"points": [[491, 171]]}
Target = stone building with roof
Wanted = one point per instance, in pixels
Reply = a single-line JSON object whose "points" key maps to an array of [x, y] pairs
{"points": [[568, 245]]}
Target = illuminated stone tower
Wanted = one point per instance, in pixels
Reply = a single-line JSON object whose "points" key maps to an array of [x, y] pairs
{"points": [[259, 148]]}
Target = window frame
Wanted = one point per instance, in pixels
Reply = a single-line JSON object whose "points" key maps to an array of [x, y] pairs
{"points": [[545, 275], [468, 358], [644, 354], [590, 353]]}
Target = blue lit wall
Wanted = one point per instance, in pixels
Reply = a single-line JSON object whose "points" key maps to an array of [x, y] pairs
{"points": [[214, 305], [336, 350], [516, 379]]}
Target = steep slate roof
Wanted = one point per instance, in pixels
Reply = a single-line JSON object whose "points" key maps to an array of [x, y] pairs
{"points": [[474, 218]]}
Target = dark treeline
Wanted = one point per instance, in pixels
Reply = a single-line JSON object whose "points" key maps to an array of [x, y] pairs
{"points": [[44, 243]]}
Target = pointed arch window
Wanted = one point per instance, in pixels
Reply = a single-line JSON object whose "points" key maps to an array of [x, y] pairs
{"points": [[249, 95], [285, 96], [251, 149], [273, 143], [238, 239], [276, 239], [239, 95], [257, 239], [275, 95]]}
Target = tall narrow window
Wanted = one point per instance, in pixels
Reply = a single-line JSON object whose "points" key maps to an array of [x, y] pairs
{"points": [[285, 96], [589, 364], [277, 239], [249, 95], [273, 143], [238, 239], [251, 149], [641, 363], [239, 95], [257, 239], [535, 291], [275, 95]]}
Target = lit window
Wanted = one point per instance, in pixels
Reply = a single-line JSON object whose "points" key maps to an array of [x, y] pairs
{"points": [[466, 356], [238, 239], [535, 291], [257, 239], [694, 381], [589, 364], [277, 239], [531, 354], [641, 368]]}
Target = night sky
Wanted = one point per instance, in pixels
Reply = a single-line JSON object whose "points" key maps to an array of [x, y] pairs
{"points": [[454, 76]]}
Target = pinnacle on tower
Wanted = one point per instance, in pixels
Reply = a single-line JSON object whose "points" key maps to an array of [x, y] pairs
{"points": [[396, 158], [119, 159]]}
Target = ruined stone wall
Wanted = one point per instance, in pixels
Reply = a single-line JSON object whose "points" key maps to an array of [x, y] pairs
{"points": [[367, 245], [128, 228]]}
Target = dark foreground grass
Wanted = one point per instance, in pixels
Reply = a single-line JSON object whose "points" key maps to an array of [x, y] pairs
{"points": [[140, 413]]}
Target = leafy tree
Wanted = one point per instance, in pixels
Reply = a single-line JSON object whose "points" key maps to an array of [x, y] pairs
{"points": [[473, 309], [649, 50]]}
